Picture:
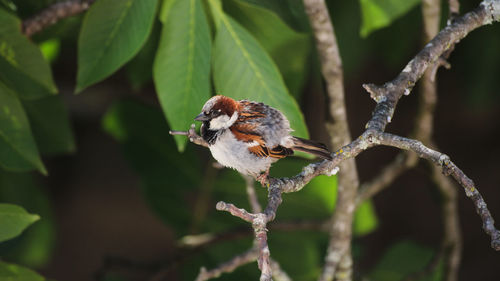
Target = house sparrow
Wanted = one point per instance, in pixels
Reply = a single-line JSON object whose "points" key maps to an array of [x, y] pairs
{"points": [[249, 136]]}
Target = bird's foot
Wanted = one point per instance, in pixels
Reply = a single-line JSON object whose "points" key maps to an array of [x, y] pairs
{"points": [[264, 179]]}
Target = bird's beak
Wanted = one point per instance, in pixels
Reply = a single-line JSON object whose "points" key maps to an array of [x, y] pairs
{"points": [[202, 117]]}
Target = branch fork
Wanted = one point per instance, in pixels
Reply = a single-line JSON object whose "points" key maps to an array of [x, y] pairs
{"points": [[387, 97]]}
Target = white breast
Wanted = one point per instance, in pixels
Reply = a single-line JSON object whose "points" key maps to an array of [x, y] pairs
{"points": [[230, 152]]}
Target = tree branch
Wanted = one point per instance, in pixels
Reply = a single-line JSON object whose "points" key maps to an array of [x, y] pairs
{"points": [[386, 97], [344, 270], [451, 245], [259, 223], [348, 181], [252, 196], [403, 162], [389, 94], [192, 136], [449, 168], [229, 266], [53, 14], [278, 273], [450, 252]]}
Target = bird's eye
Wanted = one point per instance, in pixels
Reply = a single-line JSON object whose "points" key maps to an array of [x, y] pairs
{"points": [[218, 111]]}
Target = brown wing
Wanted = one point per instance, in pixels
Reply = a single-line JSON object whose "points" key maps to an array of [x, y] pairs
{"points": [[269, 122], [246, 133], [280, 152], [250, 110]]}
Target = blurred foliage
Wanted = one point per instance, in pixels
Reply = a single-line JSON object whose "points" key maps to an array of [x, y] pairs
{"points": [[168, 176], [34, 246], [191, 49], [18, 273], [18, 151], [404, 259], [50, 125], [14, 220], [50, 49], [23, 68], [381, 13]]}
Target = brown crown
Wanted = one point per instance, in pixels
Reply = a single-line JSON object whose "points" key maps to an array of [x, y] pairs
{"points": [[226, 105]]}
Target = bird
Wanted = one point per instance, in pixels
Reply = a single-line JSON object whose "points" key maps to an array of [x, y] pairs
{"points": [[250, 136]]}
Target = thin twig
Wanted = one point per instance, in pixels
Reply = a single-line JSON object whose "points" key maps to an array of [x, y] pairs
{"points": [[252, 196], [450, 250], [259, 222], [452, 237], [388, 95], [192, 136], [449, 168], [240, 260], [203, 199], [229, 266], [235, 211], [429, 268], [192, 244], [195, 241], [403, 162], [278, 273], [53, 14]]}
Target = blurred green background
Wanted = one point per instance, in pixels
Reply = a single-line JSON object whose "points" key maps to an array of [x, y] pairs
{"points": [[120, 198]]}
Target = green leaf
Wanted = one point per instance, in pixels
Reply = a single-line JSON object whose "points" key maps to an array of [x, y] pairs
{"points": [[18, 151], [182, 65], [34, 247], [113, 31], [243, 70], [22, 66], [8, 4], [168, 177], [166, 7], [12, 272], [290, 11], [377, 14], [403, 259], [140, 69], [289, 49], [13, 220], [50, 49]]}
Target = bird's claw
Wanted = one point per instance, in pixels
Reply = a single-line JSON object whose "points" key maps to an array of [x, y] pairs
{"points": [[264, 179]]}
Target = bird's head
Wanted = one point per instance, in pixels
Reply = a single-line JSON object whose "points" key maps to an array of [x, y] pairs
{"points": [[219, 112]]}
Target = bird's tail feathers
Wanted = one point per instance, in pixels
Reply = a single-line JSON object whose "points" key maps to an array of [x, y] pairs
{"points": [[312, 147]]}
